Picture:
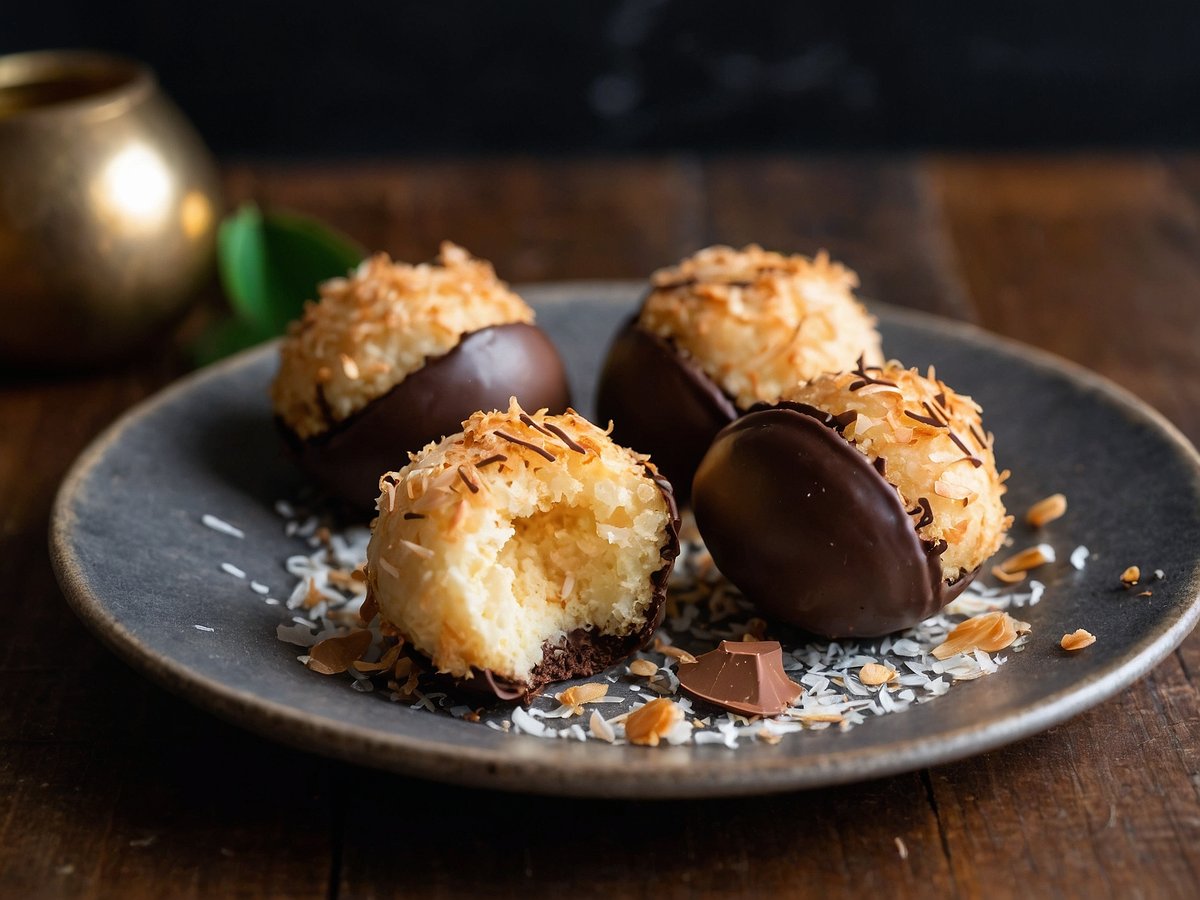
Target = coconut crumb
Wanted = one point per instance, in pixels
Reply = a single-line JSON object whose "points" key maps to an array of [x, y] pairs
{"points": [[643, 668], [874, 674], [648, 724], [1047, 510], [1027, 559], [1077, 640], [989, 632]]}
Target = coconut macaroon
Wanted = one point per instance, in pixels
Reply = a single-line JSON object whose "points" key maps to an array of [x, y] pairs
{"points": [[526, 549], [719, 332], [757, 322], [396, 355], [859, 504]]}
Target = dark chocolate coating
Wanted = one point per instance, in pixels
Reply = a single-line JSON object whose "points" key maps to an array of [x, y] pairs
{"points": [[583, 652], [485, 369], [810, 531], [661, 403]]}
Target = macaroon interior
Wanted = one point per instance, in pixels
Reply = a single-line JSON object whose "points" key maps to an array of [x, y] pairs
{"points": [[568, 548]]}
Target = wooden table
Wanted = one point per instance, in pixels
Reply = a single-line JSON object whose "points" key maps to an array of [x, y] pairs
{"points": [[111, 787]]}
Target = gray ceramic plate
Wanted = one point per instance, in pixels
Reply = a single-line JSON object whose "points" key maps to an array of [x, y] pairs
{"points": [[141, 571]]}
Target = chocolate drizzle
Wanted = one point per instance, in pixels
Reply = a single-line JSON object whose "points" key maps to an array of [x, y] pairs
{"points": [[864, 376], [924, 420], [541, 451], [569, 441], [811, 532], [926, 512], [471, 485]]}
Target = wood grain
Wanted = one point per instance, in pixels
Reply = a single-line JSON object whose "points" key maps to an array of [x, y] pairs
{"points": [[110, 787]]}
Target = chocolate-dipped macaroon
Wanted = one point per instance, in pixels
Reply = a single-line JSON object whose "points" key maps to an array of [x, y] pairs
{"points": [[858, 505], [723, 330], [526, 549], [395, 356]]}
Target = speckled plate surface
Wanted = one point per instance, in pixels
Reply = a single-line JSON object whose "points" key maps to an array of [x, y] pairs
{"points": [[142, 571]]}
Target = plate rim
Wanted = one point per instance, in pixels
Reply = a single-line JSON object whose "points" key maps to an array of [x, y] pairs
{"points": [[708, 776]]}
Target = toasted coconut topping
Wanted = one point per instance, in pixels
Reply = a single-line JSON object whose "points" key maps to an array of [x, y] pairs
{"points": [[757, 322], [931, 445], [372, 329]]}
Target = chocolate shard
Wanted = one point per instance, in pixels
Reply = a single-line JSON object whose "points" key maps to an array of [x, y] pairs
{"points": [[485, 369], [746, 677]]}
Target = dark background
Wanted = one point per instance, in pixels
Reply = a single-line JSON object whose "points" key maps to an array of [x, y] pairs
{"points": [[352, 77]]}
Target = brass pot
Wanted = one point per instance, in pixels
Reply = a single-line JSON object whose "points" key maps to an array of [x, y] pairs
{"points": [[109, 204]]}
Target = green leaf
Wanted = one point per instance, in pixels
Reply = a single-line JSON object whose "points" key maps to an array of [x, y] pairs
{"points": [[270, 263]]}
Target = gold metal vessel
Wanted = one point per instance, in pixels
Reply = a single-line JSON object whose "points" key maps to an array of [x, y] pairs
{"points": [[109, 204]]}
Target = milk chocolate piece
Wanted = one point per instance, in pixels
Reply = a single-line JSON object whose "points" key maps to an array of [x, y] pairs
{"points": [[661, 403], [809, 529], [485, 369], [744, 676]]}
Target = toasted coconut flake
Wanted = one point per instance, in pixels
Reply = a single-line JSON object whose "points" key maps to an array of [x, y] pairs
{"points": [[990, 631], [350, 367], [873, 674], [313, 595], [1131, 576], [1077, 640], [1046, 510], [580, 694], [674, 652], [642, 667], [334, 655], [767, 736], [806, 716], [648, 724], [1007, 577], [945, 487], [385, 662], [1027, 559]]}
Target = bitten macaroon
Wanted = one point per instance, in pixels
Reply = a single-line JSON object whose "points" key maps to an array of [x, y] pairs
{"points": [[526, 549]]}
